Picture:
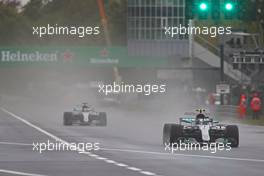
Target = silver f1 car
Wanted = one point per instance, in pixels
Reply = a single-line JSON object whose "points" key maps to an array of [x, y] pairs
{"points": [[84, 115], [200, 128]]}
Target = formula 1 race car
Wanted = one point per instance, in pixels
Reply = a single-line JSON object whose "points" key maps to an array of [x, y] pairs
{"points": [[200, 128], [84, 115]]}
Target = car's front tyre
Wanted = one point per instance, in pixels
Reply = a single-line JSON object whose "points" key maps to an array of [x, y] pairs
{"points": [[172, 133], [232, 135], [67, 118], [166, 134]]}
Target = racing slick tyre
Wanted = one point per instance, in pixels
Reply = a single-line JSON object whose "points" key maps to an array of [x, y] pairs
{"points": [[103, 119], [67, 121], [176, 132], [232, 135], [199, 137], [166, 134], [171, 133]]}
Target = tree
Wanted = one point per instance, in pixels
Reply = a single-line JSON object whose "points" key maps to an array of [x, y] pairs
{"points": [[33, 9], [70, 13], [260, 18], [12, 24], [117, 13]]}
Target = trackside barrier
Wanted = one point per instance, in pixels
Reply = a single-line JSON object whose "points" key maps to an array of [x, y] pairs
{"points": [[226, 111]]}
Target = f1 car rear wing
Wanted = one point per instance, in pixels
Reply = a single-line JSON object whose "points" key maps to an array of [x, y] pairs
{"points": [[191, 120], [193, 114]]}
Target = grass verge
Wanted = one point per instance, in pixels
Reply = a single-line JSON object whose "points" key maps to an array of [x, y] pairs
{"points": [[259, 122]]}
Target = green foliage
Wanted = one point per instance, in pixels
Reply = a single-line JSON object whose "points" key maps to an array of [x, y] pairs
{"points": [[259, 122], [12, 24], [33, 10], [117, 12], [16, 23], [71, 12]]}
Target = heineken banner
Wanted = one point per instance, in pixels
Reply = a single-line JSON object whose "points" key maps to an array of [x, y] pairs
{"points": [[75, 56]]}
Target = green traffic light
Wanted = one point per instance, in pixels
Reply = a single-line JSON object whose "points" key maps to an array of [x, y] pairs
{"points": [[229, 6], [203, 6]]}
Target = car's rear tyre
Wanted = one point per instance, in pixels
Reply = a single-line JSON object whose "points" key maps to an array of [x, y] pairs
{"points": [[172, 133], [166, 134], [67, 118], [232, 135], [103, 119]]}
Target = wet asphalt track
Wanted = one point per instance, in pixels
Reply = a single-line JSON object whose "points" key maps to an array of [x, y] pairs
{"points": [[131, 146]]}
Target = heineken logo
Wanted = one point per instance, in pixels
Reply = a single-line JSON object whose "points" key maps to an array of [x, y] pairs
{"points": [[104, 53], [103, 61], [53, 56], [67, 56], [36, 56]]}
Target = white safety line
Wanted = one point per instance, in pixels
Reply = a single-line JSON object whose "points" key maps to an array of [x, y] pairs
{"points": [[121, 165], [95, 156], [146, 173], [110, 161], [134, 169], [15, 143], [18, 173], [184, 155], [34, 126]]}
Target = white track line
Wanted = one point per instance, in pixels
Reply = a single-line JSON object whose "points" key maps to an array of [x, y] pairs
{"points": [[134, 169], [18, 173], [146, 152], [184, 155], [15, 143], [95, 156]]}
